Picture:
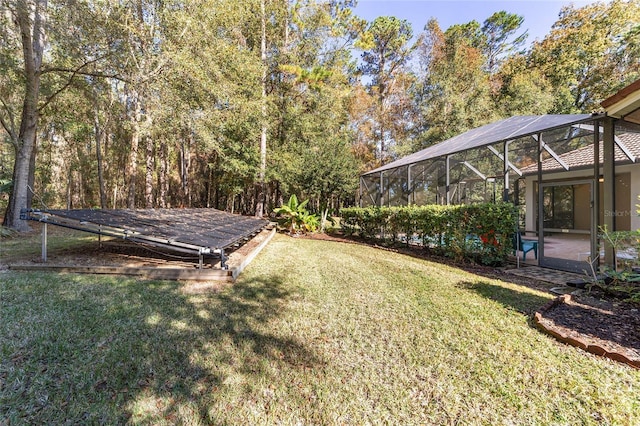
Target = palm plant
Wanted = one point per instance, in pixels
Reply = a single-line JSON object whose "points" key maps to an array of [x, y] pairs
{"points": [[295, 217]]}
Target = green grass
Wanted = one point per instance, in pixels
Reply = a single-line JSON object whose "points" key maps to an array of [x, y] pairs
{"points": [[21, 246], [313, 332]]}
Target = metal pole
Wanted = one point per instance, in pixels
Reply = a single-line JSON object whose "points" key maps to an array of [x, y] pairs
{"points": [[609, 187], [409, 185], [448, 177], [595, 195], [381, 189], [505, 193], [517, 240], [44, 242], [223, 260], [540, 203]]}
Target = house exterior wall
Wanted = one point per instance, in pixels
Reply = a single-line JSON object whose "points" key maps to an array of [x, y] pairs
{"points": [[635, 201], [582, 206]]}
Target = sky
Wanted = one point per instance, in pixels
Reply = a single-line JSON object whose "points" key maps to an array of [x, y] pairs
{"points": [[539, 15]]}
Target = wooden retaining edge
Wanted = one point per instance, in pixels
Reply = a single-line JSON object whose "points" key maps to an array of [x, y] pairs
{"points": [[155, 273], [594, 349], [147, 273], [236, 270]]}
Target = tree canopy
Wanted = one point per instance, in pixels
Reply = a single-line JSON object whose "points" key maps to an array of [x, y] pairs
{"points": [[239, 104]]}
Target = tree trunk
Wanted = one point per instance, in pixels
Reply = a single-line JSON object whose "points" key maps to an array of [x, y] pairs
{"points": [[148, 186], [132, 166], [381, 118], [99, 137], [21, 167], [32, 48], [115, 196], [32, 173], [69, 191], [163, 175], [217, 193], [263, 132], [209, 185], [80, 190], [185, 165]]}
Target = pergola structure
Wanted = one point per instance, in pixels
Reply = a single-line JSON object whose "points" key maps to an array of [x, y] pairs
{"points": [[529, 160]]}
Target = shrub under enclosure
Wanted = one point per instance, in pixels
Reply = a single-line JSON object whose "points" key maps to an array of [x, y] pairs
{"points": [[479, 232]]}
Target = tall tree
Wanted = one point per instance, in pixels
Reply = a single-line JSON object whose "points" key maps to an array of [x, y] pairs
{"points": [[310, 93], [455, 93], [468, 77], [213, 79], [142, 25], [386, 50], [521, 89], [38, 82], [263, 131], [29, 18], [589, 53], [500, 39], [361, 107]]}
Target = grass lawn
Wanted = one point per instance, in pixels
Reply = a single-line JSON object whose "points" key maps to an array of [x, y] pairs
{"points": [[313, 332]]}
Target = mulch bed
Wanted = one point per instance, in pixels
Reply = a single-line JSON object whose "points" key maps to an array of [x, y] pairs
{"points": [[594, 318], [604, 327]]}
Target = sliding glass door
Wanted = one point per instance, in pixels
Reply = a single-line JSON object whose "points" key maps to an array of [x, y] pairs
{"points": [[566, 220]]}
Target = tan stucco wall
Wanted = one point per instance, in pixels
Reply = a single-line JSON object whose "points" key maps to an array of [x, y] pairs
{"points": [[635, 193], [582, 207]]}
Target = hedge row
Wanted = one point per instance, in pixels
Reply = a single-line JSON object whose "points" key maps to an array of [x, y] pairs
{"points": [[480, 232]]}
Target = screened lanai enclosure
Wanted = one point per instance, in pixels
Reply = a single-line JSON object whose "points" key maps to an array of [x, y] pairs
{"points": [[562, 170]]}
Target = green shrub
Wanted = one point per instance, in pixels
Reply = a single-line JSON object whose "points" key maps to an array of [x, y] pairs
{"points": [[481, 232]]}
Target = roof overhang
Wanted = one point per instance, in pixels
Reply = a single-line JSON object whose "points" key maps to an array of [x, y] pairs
{"points": [[625, 104]]}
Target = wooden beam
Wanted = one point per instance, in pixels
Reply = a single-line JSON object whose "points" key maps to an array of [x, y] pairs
{"points": [[147, 273]]}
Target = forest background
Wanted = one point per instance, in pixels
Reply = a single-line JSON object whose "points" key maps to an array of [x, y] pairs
{"points": [[236, 104]]}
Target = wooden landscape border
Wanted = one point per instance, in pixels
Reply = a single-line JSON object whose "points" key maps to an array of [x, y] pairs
{"points": [[186, 274], [576, 341]]}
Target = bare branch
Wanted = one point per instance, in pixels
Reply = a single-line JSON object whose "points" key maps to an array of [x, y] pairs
{"points": [[9, 126], [77, 69], [74, 73], [77, 72]]}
